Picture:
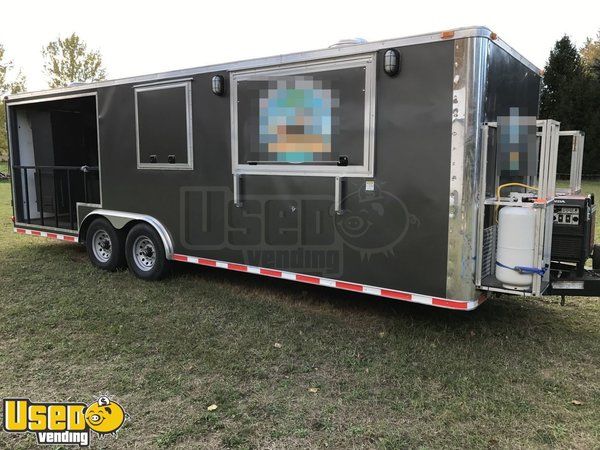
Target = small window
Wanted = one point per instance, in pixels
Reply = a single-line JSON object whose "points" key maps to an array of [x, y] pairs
{"points": [[312, 119], [163, 114]]}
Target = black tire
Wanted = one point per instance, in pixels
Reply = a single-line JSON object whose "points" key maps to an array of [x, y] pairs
{"points": [[596, 257], [145, 253], [104, 245]]}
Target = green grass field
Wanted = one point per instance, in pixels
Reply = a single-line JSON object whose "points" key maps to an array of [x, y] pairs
{"points": [[351, 371]]}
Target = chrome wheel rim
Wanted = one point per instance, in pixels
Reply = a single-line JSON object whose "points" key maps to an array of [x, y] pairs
{"points": [[102, 246], [144, 253]]}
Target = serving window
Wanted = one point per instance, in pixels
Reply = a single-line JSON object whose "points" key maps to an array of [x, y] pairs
{"points": [[305, 119], [163, 114]]}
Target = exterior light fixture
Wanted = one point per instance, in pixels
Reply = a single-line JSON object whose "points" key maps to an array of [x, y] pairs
{"points": [[391, 62], [218, 86]]}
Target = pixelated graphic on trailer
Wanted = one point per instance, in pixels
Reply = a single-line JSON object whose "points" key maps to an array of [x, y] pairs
{"points": [[297, 118], [517, 144]]}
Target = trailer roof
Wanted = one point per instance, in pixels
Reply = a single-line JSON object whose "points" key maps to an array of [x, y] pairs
{"points": [[457, 33]]}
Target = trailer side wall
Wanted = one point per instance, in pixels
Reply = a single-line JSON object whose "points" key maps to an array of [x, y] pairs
{"points": [[394, 236]]}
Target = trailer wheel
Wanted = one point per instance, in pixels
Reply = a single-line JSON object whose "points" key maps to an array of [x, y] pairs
{"points": [[145, 253], [105, 245]]}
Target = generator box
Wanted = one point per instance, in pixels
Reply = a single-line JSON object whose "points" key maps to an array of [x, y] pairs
{"points": [[573, 228]]}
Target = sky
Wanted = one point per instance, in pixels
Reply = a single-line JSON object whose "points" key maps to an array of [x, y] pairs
{"points": [[142, 37]]}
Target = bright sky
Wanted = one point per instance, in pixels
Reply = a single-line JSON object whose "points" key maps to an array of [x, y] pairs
{"points": [[140, 37]]}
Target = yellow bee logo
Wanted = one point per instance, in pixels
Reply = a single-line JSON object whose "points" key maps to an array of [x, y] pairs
{"points": [[104, 416]]}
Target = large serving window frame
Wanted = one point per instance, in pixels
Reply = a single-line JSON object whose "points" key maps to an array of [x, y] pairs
{"points": [[309, 169], [185, 84]]}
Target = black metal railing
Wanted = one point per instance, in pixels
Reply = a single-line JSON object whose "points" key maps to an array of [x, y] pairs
{"points": [[66, 185]]}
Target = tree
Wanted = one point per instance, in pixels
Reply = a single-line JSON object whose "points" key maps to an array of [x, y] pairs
{"points": [[68, 60], [566, 97], [590, 53], [7, 87], [562, 72], [14, 86], [590, 57], [591, 160]]}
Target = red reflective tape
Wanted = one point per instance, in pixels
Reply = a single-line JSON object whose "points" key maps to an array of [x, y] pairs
{"points": [[349, 286], [64, 237], [307, 279], [238, 267], [270, 273], [396, 295], [448, 303], [406, 296], [207, 262]]}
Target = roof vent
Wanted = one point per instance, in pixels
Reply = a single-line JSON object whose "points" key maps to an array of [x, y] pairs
{"points": [[346, 42]]}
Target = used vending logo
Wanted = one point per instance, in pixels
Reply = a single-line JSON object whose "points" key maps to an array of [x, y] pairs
{"points": [[302, 233], [64, 422]]}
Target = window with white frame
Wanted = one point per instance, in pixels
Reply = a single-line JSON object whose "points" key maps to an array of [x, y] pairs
{"points": [[305, 119]]}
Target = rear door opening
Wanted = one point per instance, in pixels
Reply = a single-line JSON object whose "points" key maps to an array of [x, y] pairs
{"points": [[54, 160]]}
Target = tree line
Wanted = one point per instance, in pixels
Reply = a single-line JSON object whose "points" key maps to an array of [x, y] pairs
{"points": [[570, 89], [571, 95]]}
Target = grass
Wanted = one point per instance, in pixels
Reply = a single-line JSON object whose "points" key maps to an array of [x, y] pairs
{"points": [[388, 374]]}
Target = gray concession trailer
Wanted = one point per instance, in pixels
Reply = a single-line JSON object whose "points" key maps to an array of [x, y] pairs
{"points": [[370, 167]]}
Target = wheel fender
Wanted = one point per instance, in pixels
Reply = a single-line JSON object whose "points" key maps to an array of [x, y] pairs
{"points": [[120, 219]]}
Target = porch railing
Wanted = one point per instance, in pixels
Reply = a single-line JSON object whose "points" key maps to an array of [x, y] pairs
{"points": [[66, 185]]}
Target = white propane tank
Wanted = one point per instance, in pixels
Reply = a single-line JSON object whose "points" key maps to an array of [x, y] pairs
{"points": [[516, 234]]}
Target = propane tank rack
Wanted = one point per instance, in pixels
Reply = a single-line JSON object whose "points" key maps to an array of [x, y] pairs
{"points": [[541, 204]]}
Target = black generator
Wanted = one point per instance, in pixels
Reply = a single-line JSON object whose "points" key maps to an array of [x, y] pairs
{"points": [[573, 229]]}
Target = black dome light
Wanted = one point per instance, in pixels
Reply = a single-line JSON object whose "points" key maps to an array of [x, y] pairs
{"points": [[391, 62], [218, 86]]}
